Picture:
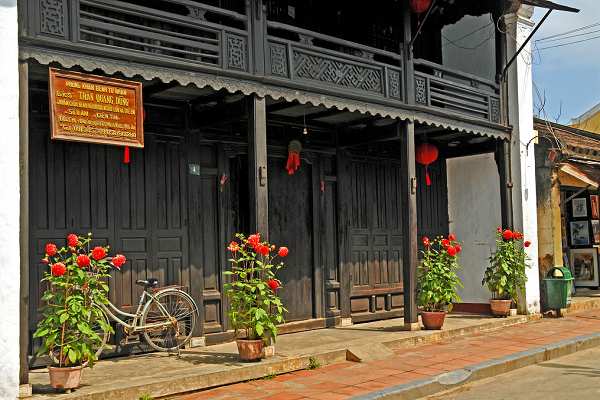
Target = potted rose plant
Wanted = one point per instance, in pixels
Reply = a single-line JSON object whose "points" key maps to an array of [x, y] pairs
{"points": [[505, 276], [70, 327], [437, 280], [254, 305]]}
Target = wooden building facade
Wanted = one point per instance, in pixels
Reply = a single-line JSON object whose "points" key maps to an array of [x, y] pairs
{"points": [[227, 84]]}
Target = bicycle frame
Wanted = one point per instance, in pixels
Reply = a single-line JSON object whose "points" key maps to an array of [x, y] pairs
{"points": [[134, 327]]}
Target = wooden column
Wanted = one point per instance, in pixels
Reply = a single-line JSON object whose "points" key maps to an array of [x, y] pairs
{"points": [[24, 218], [409, 71], [257, 166], [258, 29], [502, 156], [410, 260]]}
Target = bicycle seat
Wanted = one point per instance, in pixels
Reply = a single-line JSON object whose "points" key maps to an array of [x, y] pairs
{"points": [[149, 282]]}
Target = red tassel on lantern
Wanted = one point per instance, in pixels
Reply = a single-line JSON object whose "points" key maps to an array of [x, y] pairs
{"points": [[426, 154]]}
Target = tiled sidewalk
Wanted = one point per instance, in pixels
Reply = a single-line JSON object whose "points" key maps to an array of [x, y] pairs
{"points": [[348, 379]]}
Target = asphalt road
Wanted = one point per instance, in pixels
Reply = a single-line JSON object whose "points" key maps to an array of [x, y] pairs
{"points": [[576, 376]]}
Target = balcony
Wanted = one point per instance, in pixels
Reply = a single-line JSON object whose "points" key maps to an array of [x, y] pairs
{"points": [[240, 42]]}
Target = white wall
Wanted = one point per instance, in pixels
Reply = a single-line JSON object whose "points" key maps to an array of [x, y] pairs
{"points": [[474, 212], [9, 202], [520, 113], [470, 52]]}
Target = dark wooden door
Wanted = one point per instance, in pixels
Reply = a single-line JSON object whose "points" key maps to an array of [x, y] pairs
{"points": [[139, 209], [376, 239], [291, 211], [432, 202]]}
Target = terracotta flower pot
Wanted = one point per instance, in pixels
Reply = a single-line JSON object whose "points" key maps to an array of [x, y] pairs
{"points": [[249, 349], [433, 320], [65, 377], [500, 307]]}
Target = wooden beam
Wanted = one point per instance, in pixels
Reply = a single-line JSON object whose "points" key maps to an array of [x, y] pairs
{"points": [[410, 259], [375, 135], [502, 157], [469, 149], [257, 166], [284, 105], [366, 120], [220, 115], [24, 219], [323, 114], [157, 88], [217, 97]]}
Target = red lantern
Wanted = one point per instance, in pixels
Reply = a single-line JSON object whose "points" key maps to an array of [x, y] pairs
{"points": [[419, 6], [426, 154]]}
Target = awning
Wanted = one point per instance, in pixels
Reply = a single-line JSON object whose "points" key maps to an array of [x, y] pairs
{"points": [[548, 4], [578, 175]]}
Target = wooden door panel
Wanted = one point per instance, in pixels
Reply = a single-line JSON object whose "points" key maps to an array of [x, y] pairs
{"points": [[376, 283], [291, 225]]}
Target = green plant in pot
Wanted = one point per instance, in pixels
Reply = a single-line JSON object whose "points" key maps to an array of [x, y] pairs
{"points": [[70, 327], [255, 307], [437, 281], [505, 276]]}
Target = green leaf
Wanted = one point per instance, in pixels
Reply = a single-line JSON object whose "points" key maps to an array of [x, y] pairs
{"points": [[64, 317], [72, 356]]}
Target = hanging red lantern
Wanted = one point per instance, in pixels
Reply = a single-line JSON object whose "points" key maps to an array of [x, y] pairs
{"points": [[419, 6], [426, 154]]}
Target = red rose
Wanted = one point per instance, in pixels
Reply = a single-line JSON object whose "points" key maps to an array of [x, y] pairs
{"points": [[59, 269], [83, 260], [516, 235], [118, 260], [507, 234], [50, 249], [273, 284], [258, 247], [458, 249], [527, 244], [445, 242], [73, 240], [264, 250], [451, 250], [98, 253], [283, 251], [45, 261], [254, 239], [499, 229], [234, 246], [451, 237], [426, 242]]}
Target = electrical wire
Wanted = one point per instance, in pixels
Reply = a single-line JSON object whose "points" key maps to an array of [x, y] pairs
{"points": [[566, 44], [566, 33]]}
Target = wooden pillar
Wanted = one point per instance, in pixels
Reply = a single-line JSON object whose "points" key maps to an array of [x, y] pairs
{"points": [[410, 261], [258, 29], [24, 219], [257, 166], [409, 72], [502, 156]]}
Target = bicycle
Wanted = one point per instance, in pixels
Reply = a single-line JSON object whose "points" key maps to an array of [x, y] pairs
{"points": [[167, 318]]}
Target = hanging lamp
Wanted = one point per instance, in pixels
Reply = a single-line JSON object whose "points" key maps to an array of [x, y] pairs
{"points": [[425, 154], [418, 7]]}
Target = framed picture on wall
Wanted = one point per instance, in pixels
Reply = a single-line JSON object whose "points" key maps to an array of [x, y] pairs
{"points": [[580, 234], [584, 264], [579, 208], [594, 206], [596, 230]]}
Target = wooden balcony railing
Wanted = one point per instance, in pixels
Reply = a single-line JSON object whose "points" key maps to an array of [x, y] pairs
{"points": [[456, 92], [186, 33]]}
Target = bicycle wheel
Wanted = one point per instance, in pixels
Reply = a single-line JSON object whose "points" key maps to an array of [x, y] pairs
{"points": [[100, 322], [174, 333]]}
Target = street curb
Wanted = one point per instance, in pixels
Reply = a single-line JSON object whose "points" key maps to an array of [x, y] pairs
{"points": [[195, 382], [449, 380]]}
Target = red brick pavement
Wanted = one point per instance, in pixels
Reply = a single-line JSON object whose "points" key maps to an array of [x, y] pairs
{"points": [[349, 379]]}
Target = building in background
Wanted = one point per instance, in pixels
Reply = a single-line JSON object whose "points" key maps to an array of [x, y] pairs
{"points": [[588, 121]]}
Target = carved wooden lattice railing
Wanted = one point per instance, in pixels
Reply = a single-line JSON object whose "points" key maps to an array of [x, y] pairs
{"points": [[456, 92], [325, 61], [181, 29]]}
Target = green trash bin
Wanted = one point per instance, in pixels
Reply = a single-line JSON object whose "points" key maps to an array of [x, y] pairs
{"points": [[559, 286]]}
